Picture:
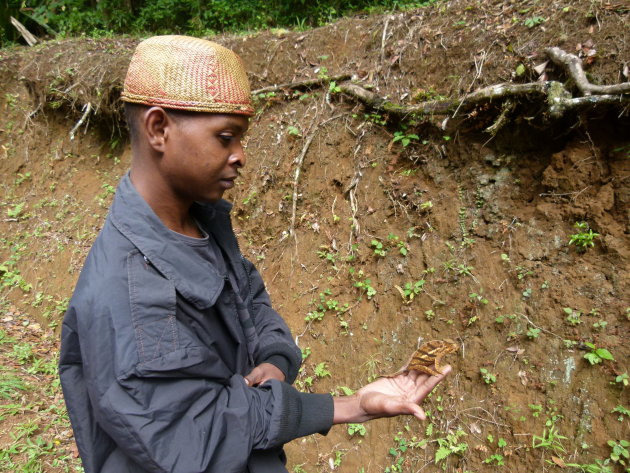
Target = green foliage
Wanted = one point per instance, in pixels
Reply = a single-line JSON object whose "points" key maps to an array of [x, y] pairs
{"points": [[619, 452], [450, 445], [196, 17], [550, 438], [533, 21], [410, 290], [379, 250], [366, 286], [321, 370], [573, 315], [497, 459], [597, 355], [404, 138], [487, 376], [623, 379], [584, 238], [356, 429], [622, 411]]}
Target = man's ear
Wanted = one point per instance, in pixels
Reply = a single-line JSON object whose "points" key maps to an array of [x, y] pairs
{"points": [[156, 124]]}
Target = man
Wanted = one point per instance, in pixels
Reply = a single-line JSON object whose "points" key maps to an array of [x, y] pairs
{"points": [[172, 358]]}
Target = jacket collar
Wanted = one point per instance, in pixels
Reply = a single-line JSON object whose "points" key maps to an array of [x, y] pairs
{"points": [[194, 278]]}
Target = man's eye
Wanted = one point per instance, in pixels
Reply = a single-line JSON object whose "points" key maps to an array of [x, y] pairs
{"points": [[226, 138]]}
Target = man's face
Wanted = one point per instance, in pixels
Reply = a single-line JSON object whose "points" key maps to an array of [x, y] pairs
{"points": [[203, 154]]}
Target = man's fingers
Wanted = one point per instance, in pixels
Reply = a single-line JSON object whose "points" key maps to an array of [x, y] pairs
{"points": [[253, 378]]}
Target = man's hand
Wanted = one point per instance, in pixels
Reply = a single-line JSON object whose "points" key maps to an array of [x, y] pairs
{"points": [[387, 397], [264, 372]]}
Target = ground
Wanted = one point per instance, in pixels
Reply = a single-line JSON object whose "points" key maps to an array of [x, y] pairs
{"points": [[460, 234]]}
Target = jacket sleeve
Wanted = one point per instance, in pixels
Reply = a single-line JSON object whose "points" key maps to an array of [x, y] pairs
{"points": [[169, 402], [276, 342]]}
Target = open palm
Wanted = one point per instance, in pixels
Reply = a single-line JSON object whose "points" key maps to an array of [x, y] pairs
{"points": [[398, 395]]}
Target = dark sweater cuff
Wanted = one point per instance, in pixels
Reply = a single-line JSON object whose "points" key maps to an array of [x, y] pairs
{"points": [[304, 414], [279, 361], [292, 355], [317, 414]]}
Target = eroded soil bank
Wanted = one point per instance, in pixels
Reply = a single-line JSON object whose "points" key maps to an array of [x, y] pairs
{"points": [[457, 235]]}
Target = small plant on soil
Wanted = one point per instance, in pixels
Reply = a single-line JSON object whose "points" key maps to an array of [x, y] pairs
{"points": [[487, 376], [410, 290], [623, 379], [536, 409], [450, 445], [326, 254], [356, 429], [619, 455], [396, 242], [378, 248], [584, 238], [574, 317], [496, 459], [532, 333], [366, 287], [622, 411], [550, 438], [321, 370], [597, 355], [404, 138]]}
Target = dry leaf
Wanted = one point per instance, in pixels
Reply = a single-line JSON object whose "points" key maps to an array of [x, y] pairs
{"points": [[481, 448], [523, 376], [518, 351], [474, 428], [625, 71], [540, 68], [559, 462]]}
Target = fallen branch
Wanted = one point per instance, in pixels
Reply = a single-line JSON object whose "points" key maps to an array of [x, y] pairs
{"points": [[573, 65], [30, 39]]}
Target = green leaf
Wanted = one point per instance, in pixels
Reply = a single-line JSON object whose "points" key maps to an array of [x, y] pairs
{"points": [[520, 70], [441, 454], [604, 354]]}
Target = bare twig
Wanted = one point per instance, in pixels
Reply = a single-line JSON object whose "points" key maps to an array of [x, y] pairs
{"points": [[304, 84], [87, 108], [383, 40], [536, 326], [298, 171]]}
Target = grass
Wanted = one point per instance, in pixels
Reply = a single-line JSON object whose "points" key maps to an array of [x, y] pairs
{"points": [[33, 419]]}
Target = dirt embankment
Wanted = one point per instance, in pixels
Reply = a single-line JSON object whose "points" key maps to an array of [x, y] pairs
{"points": [[460, 234]]}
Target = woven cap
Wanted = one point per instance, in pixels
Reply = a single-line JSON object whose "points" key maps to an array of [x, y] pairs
{"points": [[187, 73]]}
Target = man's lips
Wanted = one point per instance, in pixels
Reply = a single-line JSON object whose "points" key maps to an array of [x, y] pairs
{"points": [[228, 182]]}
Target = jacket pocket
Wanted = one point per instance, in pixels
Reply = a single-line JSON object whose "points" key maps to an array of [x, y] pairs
{"points": [[153, 300]]}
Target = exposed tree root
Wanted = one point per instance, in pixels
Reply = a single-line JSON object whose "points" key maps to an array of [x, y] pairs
{"points": [[573, 65], [558, 99]]}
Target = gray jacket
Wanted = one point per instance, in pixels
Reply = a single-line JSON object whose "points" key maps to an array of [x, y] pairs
{"points": [[155, 344]]}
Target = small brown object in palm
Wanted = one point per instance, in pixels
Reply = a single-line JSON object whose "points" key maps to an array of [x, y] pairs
{"points": [[427, 358]]}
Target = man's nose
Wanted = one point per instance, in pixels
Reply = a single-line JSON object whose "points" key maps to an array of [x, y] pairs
{"points": [[238, 156]]}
